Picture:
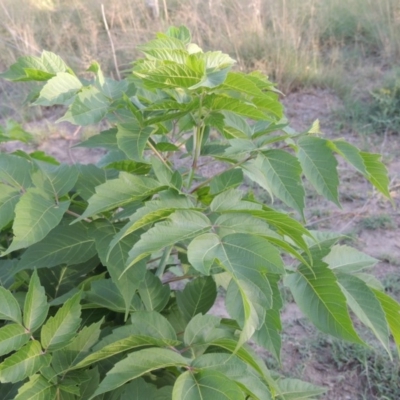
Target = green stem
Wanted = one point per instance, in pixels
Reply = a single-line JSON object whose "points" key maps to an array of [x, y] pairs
{"points": [[158, 155], [219, 173]]}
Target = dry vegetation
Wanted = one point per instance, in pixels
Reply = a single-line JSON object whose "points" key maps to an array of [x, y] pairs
{"points": [[348, 47]]}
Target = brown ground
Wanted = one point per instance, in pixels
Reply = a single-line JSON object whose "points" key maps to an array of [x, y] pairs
{"points": [[365, 216]]}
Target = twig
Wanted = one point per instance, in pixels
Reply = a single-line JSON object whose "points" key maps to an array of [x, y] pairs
{"points": [[158, 155], [111, 42], [165, 10], [74, 214], [176, 279]]}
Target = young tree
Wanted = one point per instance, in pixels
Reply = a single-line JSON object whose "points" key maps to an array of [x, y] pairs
{"points": [[92, 254]]}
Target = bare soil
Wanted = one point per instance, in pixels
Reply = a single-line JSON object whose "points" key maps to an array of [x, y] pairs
{"points": [[366, 217]]}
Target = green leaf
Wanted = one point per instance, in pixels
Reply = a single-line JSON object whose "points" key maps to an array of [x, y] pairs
{"points": [[283, 172], [136, 365], [57, 180], [88, 387], [105, 293], [14, 131], [237, 127], [169, 76], [268, 335], [246, 259], [319, 166], [23, 363], [246, 355], [64, 245], [132, 139], [16, 171], [153, 211], [198, 296], [181, 225], [105, 139], [253, 169], [222, 103], [231, 200], [35, 216], [243, 256], [35, 306], [59, 90], [89, 107], [9, 307], [77, 350], [12, 337], [270, 104], [118, 192], [200, 329], [241, 83], [59, 330], [346, 259], [243, 223], [181, 33], [122, 345], [365, 306], [392, 311], [39, 155], [153, 293], [236, 370], [139, 389], [147, 329], [165, 175], [153, 324], [37, 388], [115, 260], [89, 178], [284, 224], [260, 300], [226, 180], [35, 68], [377, 172], [350, 153], [212, 78], [319, 297], [295, 389], [207, 384], [9, 391], [7, 268], [9, 197]]}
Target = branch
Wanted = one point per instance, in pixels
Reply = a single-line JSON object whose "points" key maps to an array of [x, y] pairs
{"points": [[111, 42]]}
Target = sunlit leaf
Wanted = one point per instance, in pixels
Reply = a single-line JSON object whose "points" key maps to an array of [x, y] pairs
{"points": [[23, 363]]}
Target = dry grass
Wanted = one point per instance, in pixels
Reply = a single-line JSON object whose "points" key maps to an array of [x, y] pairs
{"points": [[298, 43]]}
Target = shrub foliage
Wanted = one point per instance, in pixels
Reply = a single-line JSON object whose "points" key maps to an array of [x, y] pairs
{"points": [[108, 271]]}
